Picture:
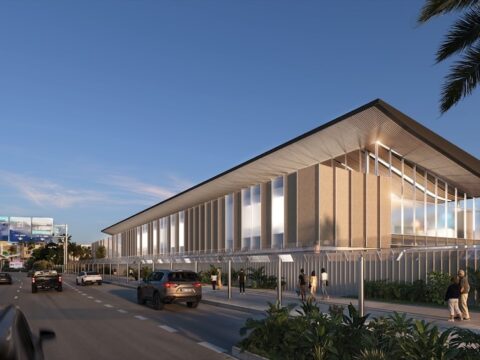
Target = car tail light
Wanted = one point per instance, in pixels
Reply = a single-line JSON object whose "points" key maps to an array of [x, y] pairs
{"points": [[169, 285], [197, 284], [33, 280], [59, 279]]}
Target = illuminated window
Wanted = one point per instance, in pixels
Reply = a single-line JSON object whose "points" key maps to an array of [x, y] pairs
{"points": [[278, 209], [229, 222]]}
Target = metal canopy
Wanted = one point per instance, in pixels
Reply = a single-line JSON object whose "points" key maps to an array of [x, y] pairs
{"points": [[375, 121]]}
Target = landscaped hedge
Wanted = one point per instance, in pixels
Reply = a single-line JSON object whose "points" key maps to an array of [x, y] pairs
{"points": [[432, 291], [316, 335]]}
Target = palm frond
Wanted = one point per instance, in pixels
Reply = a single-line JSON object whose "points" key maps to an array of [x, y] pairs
{"points": [[438, 7], [463, 34], [462, 79]]}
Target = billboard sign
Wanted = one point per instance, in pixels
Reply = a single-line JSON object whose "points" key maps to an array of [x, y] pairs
{"points": [[16, 264], [20, 229], [42, 229], [4, 228]]}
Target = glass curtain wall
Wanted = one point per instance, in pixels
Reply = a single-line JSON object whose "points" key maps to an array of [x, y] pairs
{"points": [[164, 235], [155, 237], [139, 240], [424, 205], [173, 233], [251, 218], [181, 231], [229, 222], [278, 209], [145, 239]]}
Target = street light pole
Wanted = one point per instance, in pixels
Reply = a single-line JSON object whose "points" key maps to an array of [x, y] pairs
{"points": [[65, 249]]}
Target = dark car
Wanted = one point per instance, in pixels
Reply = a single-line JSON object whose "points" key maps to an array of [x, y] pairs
{"points": [[16, 338], [169, 286], [5, 278]]}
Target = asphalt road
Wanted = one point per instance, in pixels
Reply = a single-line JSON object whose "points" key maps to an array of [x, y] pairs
{"points": [[105, 322]]}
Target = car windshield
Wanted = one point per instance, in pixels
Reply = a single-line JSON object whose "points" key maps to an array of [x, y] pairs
{"points": [[182, 276]]}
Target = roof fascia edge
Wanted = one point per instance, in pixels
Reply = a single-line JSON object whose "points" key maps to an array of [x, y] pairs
{"points": [[405, 122]]}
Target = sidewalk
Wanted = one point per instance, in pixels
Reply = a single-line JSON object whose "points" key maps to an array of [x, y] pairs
{"points": [[256, 301]]}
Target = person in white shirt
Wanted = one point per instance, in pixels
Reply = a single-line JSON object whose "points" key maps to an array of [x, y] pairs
{"points": [[213, 279], [324, 283]]}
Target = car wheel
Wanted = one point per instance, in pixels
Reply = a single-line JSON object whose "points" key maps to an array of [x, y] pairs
{"points": [[99, 283], [157, 302], [140, 299], [76, 281], [59, 289], [192, 304], [83, 283], [34, 289]]}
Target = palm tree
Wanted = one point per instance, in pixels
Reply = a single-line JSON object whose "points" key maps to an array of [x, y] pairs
{"points": [[463, 38]]}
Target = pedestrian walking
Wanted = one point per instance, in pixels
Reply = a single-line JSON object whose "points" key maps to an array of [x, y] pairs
{"points": [[302, 284], [452, 296], [324, 283], [464, 289], [313, 285], [213, 279], [241, 281]]}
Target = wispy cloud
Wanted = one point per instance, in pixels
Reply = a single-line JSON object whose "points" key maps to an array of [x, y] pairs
{"points": [[132, 185], [113, 190], [48, 193]]}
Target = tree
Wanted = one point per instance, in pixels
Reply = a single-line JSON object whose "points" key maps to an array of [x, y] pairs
{"points": [[101, 252], [463, 38], [12, 249]]}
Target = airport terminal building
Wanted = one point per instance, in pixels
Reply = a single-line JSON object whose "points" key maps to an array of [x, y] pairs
{"points": [[372, 181]]}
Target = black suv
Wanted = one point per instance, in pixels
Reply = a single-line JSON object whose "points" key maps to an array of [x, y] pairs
{"points": [[169, 286]]}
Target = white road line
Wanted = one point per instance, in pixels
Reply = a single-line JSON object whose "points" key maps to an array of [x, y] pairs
{"points": [[98, 301], [167, 328], [140, 317], [108, 305], [212, 347], [90, 297], [83, 294], [18, 291], [15, 297], [122, 311]]}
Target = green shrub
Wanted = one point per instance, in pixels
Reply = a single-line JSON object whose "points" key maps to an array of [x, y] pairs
{"points": [[312, 334], [433, 291]]}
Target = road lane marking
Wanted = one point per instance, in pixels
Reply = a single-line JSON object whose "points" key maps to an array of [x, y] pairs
{"points": [[108, 305], [15, 297], [18, 291], [122, 311], [98, 301], [90, 297], [212, 347], [167, 328], [140, 317]]}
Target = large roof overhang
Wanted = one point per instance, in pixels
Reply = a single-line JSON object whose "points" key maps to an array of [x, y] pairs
{"points": [[375, 121]]}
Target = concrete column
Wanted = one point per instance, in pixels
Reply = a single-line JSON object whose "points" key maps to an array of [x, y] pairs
{"points": [[279, 282], [361, 293]]}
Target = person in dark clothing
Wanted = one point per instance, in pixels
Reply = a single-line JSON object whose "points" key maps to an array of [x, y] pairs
{"points": [[241, 281], [452, 296], [302, 284]]}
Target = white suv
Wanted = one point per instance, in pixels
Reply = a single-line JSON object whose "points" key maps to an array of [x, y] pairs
{"points": [[89, 277]]}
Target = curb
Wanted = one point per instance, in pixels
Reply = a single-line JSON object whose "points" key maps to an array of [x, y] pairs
{"points": [[232, 306]]}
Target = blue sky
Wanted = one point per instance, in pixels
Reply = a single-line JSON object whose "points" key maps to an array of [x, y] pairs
{"points": [[110, 106]]}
